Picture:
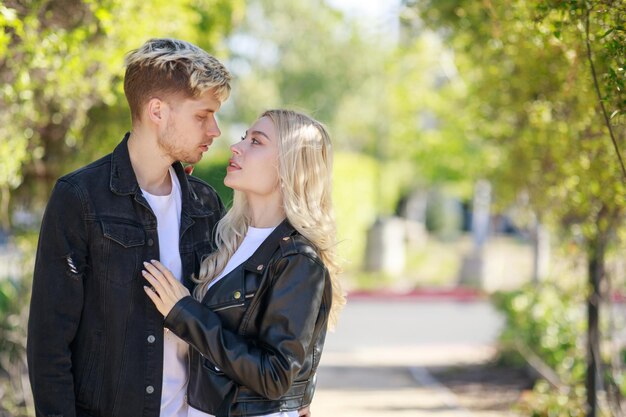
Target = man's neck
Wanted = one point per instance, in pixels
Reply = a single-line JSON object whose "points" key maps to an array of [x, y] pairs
{"points": [[151, 166]]}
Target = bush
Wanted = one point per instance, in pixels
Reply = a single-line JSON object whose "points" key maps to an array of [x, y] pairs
{"points": [[212, 169], [14, 305], [548, 322]]}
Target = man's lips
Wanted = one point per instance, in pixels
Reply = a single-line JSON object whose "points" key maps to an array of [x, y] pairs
{"points": [[205, 146]]}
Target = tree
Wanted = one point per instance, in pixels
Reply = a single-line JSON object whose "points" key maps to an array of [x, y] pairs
{"points": [[57, 65], [534, 94]]}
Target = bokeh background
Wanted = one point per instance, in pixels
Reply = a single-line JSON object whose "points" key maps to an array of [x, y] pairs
{"points": [[478, 155]]}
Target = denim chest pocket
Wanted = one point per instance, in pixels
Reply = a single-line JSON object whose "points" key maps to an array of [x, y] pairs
{"points": [[125, 234], [123, 249]]}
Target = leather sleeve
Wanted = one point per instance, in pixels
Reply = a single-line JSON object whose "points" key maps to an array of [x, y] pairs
{"points": [[56, 303], [269, 363]]}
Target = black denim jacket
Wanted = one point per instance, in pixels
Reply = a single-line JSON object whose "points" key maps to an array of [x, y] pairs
{"points": [[95, 340], [257, 337]]}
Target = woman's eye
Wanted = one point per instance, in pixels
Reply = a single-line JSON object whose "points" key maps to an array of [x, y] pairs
{"points": [[243, 138], [256, 142]]}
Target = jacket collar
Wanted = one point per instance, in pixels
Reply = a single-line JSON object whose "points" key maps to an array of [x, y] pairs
{"points": [[259, 260], [124, 181]]}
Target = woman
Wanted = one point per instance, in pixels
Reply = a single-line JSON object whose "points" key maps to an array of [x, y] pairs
{"points": [[259, 314]]}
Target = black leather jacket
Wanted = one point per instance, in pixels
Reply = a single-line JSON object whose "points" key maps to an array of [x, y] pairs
{"points": [[257, 336], [95, 340]]}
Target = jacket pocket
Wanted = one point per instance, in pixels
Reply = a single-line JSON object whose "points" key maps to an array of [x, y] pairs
{"points": [[88, 373], [296, 390], [123, 248], [206, 364], [125, 234]]}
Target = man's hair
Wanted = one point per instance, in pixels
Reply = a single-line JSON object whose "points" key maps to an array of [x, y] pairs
{"points": [[167, 67]]}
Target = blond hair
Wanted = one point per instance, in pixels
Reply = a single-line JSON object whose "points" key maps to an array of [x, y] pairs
{"points": [[305, 179], [167, 67]]}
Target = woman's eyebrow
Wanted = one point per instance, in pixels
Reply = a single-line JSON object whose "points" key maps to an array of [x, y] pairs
{"points": [[258, 132]]}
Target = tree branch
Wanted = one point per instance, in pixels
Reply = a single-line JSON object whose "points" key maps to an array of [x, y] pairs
{"points": [[539, 366], [599, 94]]}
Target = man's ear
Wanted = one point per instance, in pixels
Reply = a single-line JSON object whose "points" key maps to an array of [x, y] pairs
{"points": [[157, 110]]}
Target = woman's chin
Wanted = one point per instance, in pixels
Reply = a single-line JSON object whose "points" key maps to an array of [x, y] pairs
{"points": [[230, 184]]}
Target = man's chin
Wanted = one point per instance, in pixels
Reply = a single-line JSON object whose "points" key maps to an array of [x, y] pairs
{"points": [[191, 160]]}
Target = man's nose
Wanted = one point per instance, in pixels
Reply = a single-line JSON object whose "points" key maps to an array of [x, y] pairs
{"points": [[213, 129]]}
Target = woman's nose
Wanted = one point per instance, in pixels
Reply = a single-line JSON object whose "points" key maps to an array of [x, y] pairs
{"points": [[234, 148]]}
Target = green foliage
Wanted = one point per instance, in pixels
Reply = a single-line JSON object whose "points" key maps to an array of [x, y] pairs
{"points": [[544, 120], [426, 123], [548, 321], [13, 390], [212, 169], [57, 67], [532, 92], [444, 215], [363, 188], [550, 324], [355, 198], [313, 68], [14, 302]]}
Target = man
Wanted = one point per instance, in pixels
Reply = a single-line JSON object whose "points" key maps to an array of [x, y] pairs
{"points": [[96, 345]]}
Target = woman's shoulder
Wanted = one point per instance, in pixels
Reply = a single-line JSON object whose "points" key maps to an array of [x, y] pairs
{"points": [[297, 244]]}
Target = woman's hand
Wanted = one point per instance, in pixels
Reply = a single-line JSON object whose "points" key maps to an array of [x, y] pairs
{"points": [[304, 412], [166, 290]]}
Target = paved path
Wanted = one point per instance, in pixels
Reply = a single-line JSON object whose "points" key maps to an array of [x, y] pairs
{"points": [[375, 364]]}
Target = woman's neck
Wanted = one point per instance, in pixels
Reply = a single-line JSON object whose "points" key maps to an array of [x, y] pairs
{"points": [[266, 212]]}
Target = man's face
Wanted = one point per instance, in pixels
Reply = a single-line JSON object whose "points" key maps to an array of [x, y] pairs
{"points": [[190, 127]]}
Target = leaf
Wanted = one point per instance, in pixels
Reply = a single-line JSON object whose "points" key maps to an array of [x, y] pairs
{"points": [[606, 33]]}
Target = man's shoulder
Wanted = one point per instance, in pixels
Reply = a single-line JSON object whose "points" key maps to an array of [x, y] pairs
{"points": [[95, 168], [202, 188]]}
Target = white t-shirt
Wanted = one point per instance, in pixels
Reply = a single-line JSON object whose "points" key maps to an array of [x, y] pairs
{"points": [[167, 209], [250, 244]]}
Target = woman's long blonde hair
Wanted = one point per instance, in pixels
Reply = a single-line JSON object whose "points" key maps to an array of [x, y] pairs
{"points": [[305, 180]]}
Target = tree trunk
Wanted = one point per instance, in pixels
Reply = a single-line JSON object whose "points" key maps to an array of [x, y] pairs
{"points": [[596, 260], [541, 251]]}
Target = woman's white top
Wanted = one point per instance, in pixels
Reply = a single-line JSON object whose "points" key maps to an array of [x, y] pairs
{"points": [[251, 242]]}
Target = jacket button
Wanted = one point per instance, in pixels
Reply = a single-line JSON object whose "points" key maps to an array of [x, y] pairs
{"points": [[150, 389], [286, 238], [150, 242], [237, 295], [151, 339], [260, 267]]}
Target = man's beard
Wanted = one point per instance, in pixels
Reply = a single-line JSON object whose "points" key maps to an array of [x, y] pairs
{"points": [[167, 142]]}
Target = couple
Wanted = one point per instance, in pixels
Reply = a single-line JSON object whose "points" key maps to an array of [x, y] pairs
{"points": [[148, 298]]}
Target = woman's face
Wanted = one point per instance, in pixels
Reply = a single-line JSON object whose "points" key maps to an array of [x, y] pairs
{"points": [[253, 168]]}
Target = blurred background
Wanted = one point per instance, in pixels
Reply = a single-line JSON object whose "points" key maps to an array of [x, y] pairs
{"points": [[479, 182]]}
